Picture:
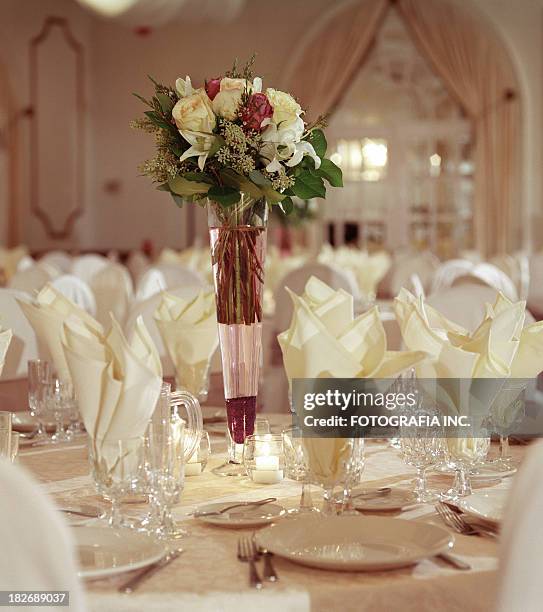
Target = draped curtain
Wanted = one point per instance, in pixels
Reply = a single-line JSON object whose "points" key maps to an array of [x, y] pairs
{"points": [[473, 65]]}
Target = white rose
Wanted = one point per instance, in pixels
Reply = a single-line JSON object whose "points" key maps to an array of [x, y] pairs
{"points": [[285, 107], [227, 101], [194, 113]]}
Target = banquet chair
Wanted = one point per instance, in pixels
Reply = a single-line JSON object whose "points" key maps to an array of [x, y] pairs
{"points": [[59, 259], [136, 264], [296, 281], [151, 283], [32, 279], [112, 288], [86, 266], [423, 264], [24, 345], [25, 263], [456, 271], [177, 275], [38, 552], [517, 268], [77, 291], [519, 581]]}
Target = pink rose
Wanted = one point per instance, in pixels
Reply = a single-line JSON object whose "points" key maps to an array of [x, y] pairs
{"points": [[257, 109], [213, 87]]}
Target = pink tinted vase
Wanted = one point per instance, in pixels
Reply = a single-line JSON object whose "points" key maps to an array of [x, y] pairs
{"points": [[238, 249]]}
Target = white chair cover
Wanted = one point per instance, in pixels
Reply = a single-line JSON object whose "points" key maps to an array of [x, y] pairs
{"points": [[86, 266], [112, 288], [151, 283], [146, 309], [24, 345], [458, 270], [77, 291], [180, 276], [517, 268], [296, 281], [137, 263], [520, 587], [32, 279], [25, 263], [404, 265], [59, 259], [37, 546]]}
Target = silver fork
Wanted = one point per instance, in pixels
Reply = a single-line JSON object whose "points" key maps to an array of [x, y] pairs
{"points": [[247, 553], [456, 522]]}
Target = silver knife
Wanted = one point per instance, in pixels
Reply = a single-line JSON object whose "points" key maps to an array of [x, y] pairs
{"points": [[454, 561], [131, 585]]}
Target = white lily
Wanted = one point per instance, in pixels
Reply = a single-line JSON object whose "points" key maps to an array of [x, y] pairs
{"points": [[304, 148], [292, 148], [200, 142], [184, 87], [257, 85]]}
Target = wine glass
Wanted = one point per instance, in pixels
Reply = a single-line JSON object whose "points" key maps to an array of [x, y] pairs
{"points": [[117, 470], [331, 462], [60, 400], [422, 453], [39, 377], [464, 454], [297, 469]]}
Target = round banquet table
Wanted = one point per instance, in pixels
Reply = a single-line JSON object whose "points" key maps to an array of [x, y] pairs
{"points": [[208, 575]]}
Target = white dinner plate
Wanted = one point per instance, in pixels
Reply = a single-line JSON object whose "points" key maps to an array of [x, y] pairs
{"points": [[104, 551], [486, 505], [483, 472], [24, 422], [354, 543], [395, 500], [242, 516]]}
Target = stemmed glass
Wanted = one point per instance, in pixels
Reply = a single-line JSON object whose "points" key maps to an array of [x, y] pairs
{"points": [[60, 401], [297, 469], [464, 454], [39, 377], [422, 453], [5, 435], [117, 469], [331, 462]]}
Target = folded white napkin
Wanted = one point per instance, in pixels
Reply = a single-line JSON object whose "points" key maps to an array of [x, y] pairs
{"points": [[368, 269], [10, 258], [117, 383], [189, 331], [325, 340], [47, 315], [5, 339], [194, 258]]}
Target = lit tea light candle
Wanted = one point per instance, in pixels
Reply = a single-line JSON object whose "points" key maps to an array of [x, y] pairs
{"points": [[193, 467], [267, 470]]}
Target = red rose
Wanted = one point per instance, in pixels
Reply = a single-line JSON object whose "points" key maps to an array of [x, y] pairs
{"points": [[257, 109], [213, 87]]}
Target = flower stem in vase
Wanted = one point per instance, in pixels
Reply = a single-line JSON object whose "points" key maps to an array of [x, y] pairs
{"points": [[238, 243]]}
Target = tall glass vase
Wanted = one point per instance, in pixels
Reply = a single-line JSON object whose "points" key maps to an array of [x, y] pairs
{"points": [[238, 248]]}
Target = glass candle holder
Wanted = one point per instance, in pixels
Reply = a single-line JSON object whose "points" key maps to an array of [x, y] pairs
{"points": [[197, 462], [264, 458]]}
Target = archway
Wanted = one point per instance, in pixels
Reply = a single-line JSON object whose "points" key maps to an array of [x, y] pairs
{"points": [[470, 60]]}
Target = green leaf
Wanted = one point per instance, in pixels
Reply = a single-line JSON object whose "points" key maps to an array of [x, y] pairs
{"points": [[225, 196], [286, 205], [259, 179], [201, 177], [159, 122], [163, 187], [217, 144], [183, 187], [166, 103], [309, 186], [331, 173], [241, 183], [318, 140], [178, 200], [272, 196]]}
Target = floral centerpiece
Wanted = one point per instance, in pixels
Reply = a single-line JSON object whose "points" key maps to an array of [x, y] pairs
{"points": [[238, 149]]}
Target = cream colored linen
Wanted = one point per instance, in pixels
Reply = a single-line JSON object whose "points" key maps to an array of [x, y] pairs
{"points": [[325, 340], [47, 314], [117, 383], [188, 328], [5, 339]]}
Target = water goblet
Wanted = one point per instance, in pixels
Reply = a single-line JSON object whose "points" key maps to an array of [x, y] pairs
{"points": [[117, 470], [464, 454], [60, 399], [39, 377], [297, 469], [422, 453]]}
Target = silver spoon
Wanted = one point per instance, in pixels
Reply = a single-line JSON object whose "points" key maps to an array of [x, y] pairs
{"points": [[381, 491], [260, 502]]}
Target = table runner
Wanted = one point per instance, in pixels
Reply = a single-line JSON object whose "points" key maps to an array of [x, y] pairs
{"points": [[208, 571]]}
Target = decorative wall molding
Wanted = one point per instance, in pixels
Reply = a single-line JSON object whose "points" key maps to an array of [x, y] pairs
{"points": [[75, 53]]}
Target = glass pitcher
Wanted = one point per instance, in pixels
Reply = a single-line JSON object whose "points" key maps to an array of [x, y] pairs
{"points": [[170, 406]]}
